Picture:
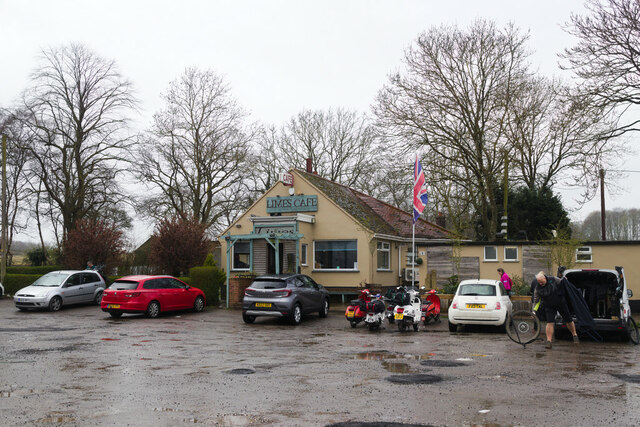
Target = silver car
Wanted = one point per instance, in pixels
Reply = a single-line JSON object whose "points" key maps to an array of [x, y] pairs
{"points": [[58, 288], [285, 295]]}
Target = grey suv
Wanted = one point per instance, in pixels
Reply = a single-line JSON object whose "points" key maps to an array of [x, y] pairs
{"points": [[285, 295]]}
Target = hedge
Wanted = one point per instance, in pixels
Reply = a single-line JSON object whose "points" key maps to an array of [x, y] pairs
{"points": [[43, 269], [210, 280], [14, 282]]}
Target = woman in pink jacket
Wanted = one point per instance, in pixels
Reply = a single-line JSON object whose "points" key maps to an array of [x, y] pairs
{"points": [[506, 281]]}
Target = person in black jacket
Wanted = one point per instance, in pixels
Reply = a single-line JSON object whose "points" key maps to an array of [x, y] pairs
{"points": [[551, 292]]}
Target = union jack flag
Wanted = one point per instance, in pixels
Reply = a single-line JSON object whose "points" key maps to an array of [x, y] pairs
{"points": [[420, 197]]}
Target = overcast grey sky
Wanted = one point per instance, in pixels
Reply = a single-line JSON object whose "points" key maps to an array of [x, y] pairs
{"points": [[279, 57]]}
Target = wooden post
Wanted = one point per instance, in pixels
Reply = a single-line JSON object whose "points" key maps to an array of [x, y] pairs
{"points": [[602, 209], [4, 243]]}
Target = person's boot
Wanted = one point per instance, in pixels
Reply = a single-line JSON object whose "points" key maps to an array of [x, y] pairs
{"points": [[548, 345], [576, 340]]}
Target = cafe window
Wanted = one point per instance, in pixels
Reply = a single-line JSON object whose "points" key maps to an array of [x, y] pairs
{"points": [[241, 256], [491, 253], [511, 253], [584, 254], [384, 256], [335, 255], [303, 254]]}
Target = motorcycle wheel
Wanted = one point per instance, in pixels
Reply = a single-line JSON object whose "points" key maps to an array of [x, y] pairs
{"points": [[373, 326], [437, 318], [353, 323], [391, 320], [427, 319], [402, 326], [415, 327]]}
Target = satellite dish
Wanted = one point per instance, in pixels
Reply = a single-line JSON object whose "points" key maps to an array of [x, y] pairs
{"points": [[292, 191]]}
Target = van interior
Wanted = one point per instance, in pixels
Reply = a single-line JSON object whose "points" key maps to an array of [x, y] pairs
{"points": [[600, 291]]}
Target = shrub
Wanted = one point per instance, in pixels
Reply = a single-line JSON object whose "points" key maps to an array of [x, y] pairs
{"points": [[210, 280], [178, 245], [43, 269], [520, 287], [97, 240], [14, 282], [451, 286]]}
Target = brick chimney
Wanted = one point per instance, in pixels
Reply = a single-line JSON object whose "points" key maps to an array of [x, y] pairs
{"points": [[309, 166], [441, 220]]}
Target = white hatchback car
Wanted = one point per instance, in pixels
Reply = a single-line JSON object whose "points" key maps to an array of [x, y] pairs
{"points": [[479, 302]]}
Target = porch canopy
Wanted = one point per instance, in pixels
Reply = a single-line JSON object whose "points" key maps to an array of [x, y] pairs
{"points": [[272, 229]]}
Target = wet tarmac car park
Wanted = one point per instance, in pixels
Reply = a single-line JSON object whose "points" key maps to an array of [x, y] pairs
{"points": [[78, 366]]}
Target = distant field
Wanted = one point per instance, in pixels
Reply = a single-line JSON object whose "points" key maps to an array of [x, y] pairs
{"points": [[20, 260]]}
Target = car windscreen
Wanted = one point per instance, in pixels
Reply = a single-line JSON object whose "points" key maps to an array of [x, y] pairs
{"points": [[52, 280], [269, 284], [477, 290], [123, 285]]}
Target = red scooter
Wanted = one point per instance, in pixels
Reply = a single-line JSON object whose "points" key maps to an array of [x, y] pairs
{"points": [[431, 307], [357, 310]]}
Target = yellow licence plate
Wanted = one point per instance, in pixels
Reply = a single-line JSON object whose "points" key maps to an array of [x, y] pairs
{"points": [[398, 316], [113, 305], [263, 304], [476, 305], [350, 314]]}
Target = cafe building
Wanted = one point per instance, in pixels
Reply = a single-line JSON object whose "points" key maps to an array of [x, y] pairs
{"points": [[342, 238]]}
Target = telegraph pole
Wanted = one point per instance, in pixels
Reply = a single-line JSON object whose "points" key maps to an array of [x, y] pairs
{"points": [[3, 246], [602, 211]]}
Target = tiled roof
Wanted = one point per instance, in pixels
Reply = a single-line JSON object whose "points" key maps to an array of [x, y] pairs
{"points": [[375, 214]]}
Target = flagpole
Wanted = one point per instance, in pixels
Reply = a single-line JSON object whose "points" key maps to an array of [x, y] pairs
{"points": [[413, 244]]}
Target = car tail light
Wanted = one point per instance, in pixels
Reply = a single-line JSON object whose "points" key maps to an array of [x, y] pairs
{"points": [[132, 295], [498, 305], [282, 293], [248, 292], [400, 310], [455, 304]]}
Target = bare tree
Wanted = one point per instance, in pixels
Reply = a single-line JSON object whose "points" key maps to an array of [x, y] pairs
{"points": [[452, 102], [17, 181], [341, 144], [622, 224], [194, 156], [77, 110], [606, 56]]}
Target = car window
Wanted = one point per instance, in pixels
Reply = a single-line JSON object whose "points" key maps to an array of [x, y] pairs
{"points": [[503, 290], [152, 284], [297, 282], [477, 290], [51, 280], [89, 278], [73, 280], [308, 281], [175, 283], [124, 285], [268, 284]]}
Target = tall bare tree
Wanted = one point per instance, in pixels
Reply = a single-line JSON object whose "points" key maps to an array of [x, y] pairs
{"points": [[607, 57], [77, 114], [194, 156], [452, 101], [341, 144]]}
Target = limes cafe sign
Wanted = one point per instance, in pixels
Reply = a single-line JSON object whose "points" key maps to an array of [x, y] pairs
{"points": [[292, 204]]}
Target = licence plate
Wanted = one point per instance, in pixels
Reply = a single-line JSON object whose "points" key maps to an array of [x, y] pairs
{"points": [[398, 316], [350, 314], [113, 305], [476, 305], [263, 304]]}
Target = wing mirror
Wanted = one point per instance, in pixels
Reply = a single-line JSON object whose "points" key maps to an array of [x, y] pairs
{"points": [[629, 293]]}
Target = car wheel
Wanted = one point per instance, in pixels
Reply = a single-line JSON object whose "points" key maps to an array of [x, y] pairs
{"points": [[296, 315], [325, 309], [452, 327], [415, 327], [115, 314], [402, 326], [153, 310], [55, 304], [353, 323], [198, 305], [247, 318], [98, 298]]}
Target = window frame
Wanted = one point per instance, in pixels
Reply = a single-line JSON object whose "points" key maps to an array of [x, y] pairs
{"points": [[315, 251], [304, 254], [588, 252], [233, 257], [484, 254], [516, 259], [380, 251]]}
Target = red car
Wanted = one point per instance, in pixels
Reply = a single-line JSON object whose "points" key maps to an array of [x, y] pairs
{"points": [[150, 295]]}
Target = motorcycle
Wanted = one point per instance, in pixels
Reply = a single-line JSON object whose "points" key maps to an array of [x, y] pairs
{"points": [[409, 313], [357, 309], [431, 308], [376, 313], [393, 298]]}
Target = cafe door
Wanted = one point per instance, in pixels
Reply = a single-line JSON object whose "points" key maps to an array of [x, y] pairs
{"points": [[271, 259]]}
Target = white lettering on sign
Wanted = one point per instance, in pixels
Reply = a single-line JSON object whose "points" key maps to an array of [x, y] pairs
{"points": [[286, 178]]}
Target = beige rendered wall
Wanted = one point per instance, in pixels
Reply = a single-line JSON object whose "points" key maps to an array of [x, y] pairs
{"points": [[488, 269]]}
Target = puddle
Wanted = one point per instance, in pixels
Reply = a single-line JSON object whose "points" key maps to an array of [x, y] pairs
{"points": [[57, 417], [414, 379], [384, 354], [165, 410], [375, 424], [110, 339], [397, 367], [67, 348], [241, 371], [5, 394], [628, 378], [442, 363]]}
